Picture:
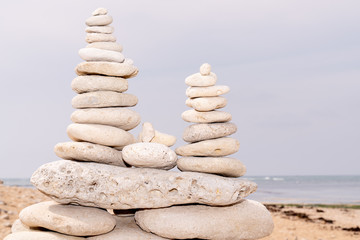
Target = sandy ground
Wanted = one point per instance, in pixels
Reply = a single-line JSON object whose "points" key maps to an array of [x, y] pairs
{"points": [[291, 223]]}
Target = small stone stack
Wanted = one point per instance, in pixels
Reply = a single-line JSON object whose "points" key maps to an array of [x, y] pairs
{"points": [[208, 137]]}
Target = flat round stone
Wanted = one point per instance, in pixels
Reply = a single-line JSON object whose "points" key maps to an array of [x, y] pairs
{"points": [[212, 91], [123, 118], [149, 155], [99, 37], [39, 235], [198, 80], [210, 148], [95, 54], [206, 104], [68, 219], [229, 167], [205, 117], [242, 221], [99, 20], [112, 46], [102, 99], [93, 83], [89, 152], [101, 29], [100, 11], [100, 134], [205, 131], [114, 69]]}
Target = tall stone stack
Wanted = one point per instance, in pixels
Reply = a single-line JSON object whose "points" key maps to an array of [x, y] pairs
{"points": [[108, 186]]}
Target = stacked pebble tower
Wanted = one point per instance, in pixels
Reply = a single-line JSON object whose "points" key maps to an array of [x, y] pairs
{"points": [[208, 137], [97, 196]]}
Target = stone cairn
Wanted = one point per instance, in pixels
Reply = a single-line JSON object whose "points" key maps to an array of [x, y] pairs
{"points": [[111, 186]]}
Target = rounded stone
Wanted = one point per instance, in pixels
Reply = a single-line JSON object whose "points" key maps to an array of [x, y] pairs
{"points": [[99, 37], [101, 29], [102, 99], [163, 138], [205, 69], [204, 131], [95, 54], [210, 148], [18, 226], [205, 117], [123, 118], [206, 104], [89, 152], [68, 219], [99, 20], [38, 235], [242, 221], [147, 132], [111, 46], [229, 167], [198, 80], [100, 134], [93, 83], [150, 155], [212, 91], [100, 11], [114, 69]]}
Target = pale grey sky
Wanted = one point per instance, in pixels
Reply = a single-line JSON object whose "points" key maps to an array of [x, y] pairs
{"points": [[293, 68]]}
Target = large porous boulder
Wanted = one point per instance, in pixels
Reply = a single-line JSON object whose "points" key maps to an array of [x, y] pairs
{"points": [[113, 187], [242, 221]]}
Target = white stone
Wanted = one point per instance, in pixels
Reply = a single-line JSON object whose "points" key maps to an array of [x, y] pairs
{"points": [[100, 11], [89, 152], [210, 148], [96, 54], [101, 29], [93, 83], [206, 104], [212, 91], [242, 221], [123, 118], [126, 229], [205, 69], [100, 134], [150, 155], [114, 69], [198, 80], [229, 167], [112, 46], [163, 138], [102, 99], [99, 37], [129, 61], [112, 187], [205, 131], [99, 20], [68, 219], [147, 132], [18, 226], [205, 117], [38, 235]]}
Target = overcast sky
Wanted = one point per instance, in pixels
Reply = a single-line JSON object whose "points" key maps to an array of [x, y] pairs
{"points": [[293, 68]]}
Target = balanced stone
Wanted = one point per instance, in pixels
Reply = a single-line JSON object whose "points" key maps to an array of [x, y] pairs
{"points": [[112, 46], [126, 229], [210, 148], [112, 187], [99, 20], [89, 152], [242, 221], [18, 226], [100, 11], [38, 235], [212, 91], [95, 54], [205, 69], [99, 37], [163, 138], [147, 132], [123, 118], [93, 83], [205, 117], [229, 167], [102, 99], [114, 69], [68, 219], [205, 131], [100, 134], [101, 29], [205, 104], [151, 155], [198, 80]]}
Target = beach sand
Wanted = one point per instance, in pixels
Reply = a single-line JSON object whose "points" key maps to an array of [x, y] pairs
{"points": [[291, 222]]}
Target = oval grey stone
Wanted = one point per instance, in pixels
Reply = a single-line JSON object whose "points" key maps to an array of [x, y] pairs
{"points": [[205, 131], [114, 69], [93, 83], [205, 117], [99, 20]]}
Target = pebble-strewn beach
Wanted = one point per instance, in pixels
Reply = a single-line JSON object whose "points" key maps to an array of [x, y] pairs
{"points": [[291, 222]]}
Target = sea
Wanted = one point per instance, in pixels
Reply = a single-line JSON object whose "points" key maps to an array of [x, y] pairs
{"points": [[289, 189]]}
